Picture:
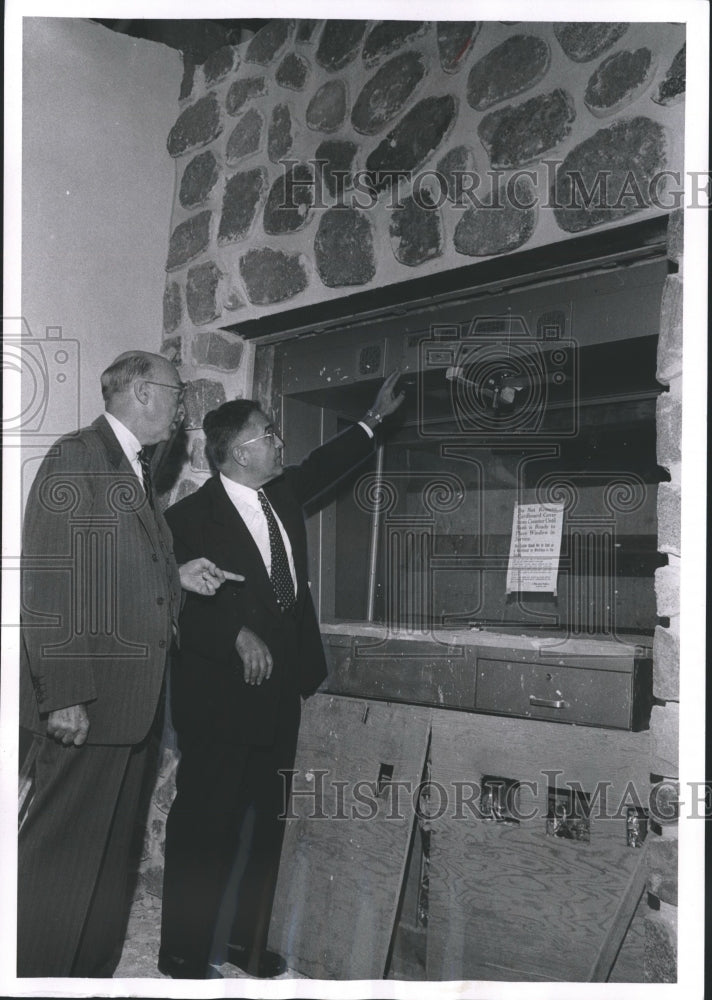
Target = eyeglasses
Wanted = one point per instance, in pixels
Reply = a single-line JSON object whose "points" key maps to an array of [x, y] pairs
{"points": [[268, 434], [180, 389]]}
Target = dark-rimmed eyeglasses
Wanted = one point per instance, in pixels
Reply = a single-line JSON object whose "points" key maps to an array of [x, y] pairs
{"points": [[180, 388]]}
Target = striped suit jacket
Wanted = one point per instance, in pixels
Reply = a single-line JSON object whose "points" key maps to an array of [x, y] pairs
{"points": [[100, 591]]}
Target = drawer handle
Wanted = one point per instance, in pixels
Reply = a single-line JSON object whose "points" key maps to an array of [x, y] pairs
{"points": [[548, 702]]}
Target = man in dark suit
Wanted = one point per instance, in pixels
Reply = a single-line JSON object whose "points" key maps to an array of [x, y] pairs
{"points": [[246, 659], [100, 600]]}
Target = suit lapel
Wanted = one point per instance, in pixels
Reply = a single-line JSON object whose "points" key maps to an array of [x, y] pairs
{"points": [[240, 548], [121, 464]]}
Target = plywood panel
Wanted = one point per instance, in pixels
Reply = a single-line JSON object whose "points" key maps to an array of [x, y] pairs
{"points": [[508, 902], [344, 853], [629, 966]]}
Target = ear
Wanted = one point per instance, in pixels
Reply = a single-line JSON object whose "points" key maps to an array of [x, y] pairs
{"points": [[141, 392], [240, 455]]}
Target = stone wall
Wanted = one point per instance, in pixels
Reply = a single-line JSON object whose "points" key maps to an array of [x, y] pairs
{"points": [[286, 149], [661, 919]]}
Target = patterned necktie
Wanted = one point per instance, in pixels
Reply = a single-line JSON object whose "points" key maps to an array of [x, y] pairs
{"points": [[280, 575], [145, 464]]}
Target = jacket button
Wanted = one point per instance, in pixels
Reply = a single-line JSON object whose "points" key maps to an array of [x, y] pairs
{"points": [[154, 557], [162, 644], [160, 600]]}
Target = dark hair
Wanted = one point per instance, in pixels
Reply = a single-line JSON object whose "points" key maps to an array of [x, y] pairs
{"points": [[221, 426], [121, 372]]}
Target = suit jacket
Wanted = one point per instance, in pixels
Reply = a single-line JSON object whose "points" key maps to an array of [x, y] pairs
{"points": [[208, 692], [100, 590]]}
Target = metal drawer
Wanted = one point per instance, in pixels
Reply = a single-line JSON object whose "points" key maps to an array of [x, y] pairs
{"points": [[591, 697]]}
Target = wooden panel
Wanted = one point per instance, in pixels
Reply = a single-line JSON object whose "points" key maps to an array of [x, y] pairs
{"points": [[509, 902], [340, 878], [629, 966], [617, 930]]}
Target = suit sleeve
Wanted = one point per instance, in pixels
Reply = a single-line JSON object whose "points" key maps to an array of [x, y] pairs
{"points": [[56, 638], [208, 625], [326, 465]]}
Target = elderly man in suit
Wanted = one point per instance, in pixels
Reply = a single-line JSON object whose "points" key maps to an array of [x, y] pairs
{"points": [[101, 595], [246, 659]]}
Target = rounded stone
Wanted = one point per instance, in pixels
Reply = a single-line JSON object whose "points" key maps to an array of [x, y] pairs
{"points": [[187, 80], [516, 65], [387, 36], [293, 71], [339, 43], [608, 176], [201, 292], [413, 139], [272, 276], [337, 156], [387, 92], [218, 64], [246, 137], [171, 349], [455, 39], [583, 41], [453, 168], [619, 80], [198, 180], [327, 108], [213, 350], [188, 239], [241, 200], [198, 125], [514, 136], [201, 396], [416, 230], [506, 226], [279, 133], [269, 41], [343, 248], [306, 28], [672, 89], [242, 91], [289, 201], [172, 307]]}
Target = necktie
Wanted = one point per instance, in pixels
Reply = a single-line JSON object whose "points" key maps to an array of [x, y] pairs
{"points": [[280, 575], [145, 464]]}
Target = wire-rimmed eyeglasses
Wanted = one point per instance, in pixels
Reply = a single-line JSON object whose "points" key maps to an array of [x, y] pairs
{"points": [[180, 388], [272, 433]]}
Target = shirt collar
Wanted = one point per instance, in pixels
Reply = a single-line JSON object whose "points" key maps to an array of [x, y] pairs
{"points": [[240, 493], [130, 444]]}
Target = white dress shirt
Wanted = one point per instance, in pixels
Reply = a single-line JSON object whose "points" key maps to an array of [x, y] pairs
{"points": [[130, 444], [247, 504]]}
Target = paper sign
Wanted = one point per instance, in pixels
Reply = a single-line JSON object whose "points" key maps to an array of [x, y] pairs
{"points": [[536, 544]]}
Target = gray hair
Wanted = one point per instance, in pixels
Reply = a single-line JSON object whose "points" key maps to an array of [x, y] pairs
{"points": [[122, 372]]}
